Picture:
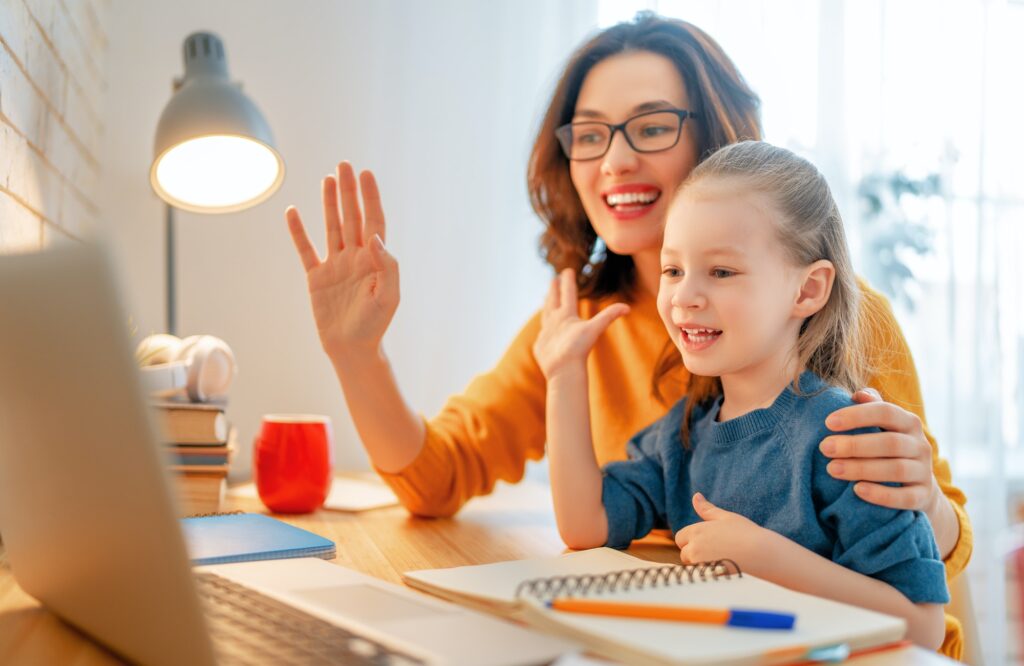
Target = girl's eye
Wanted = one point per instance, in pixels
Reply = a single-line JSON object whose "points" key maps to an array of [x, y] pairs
{"points": [[721, 273], [671, 272]]}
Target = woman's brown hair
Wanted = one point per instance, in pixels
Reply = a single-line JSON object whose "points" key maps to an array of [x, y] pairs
{"points": [[728, 111]]}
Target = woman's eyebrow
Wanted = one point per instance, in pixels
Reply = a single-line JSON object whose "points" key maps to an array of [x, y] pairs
{"points": [[639, 108]]}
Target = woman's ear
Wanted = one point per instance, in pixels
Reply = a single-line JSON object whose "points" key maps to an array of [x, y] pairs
{"points": [[815, 289]]}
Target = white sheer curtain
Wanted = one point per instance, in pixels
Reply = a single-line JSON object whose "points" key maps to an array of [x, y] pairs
{"points": [[914, 106]]}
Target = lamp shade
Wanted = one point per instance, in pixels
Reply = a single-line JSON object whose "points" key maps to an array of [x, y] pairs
{"points": [[214, 152]]}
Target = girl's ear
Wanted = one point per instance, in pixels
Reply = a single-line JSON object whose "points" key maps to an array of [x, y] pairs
{"points": [[815, 289]]}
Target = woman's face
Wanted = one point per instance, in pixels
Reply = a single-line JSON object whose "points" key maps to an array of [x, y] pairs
{"points": [[615, 90]]}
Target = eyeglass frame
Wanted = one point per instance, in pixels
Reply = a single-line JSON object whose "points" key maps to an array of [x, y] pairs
{"points": [[683, 114]]}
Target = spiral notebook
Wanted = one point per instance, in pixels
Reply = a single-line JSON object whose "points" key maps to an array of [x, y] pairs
{"points": [[519, 590]]}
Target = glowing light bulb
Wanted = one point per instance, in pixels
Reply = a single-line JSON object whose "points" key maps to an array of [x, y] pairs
{"points": [[218, 173]]}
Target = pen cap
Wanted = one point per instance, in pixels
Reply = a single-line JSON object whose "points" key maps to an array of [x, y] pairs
{"points": [[755, 619]]}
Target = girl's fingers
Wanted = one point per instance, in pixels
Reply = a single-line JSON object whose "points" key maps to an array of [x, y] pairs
{"points": [[332, 217], [351, 216], [307, 253], [599, 322], [567, 291], [372, 206], [553, 300], [683, 536]]}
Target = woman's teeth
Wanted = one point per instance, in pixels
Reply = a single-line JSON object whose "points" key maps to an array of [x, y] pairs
{"points": [[632, 198]]}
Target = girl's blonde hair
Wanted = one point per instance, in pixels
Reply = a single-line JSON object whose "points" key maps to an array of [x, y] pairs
{"points": [[810, 229]]}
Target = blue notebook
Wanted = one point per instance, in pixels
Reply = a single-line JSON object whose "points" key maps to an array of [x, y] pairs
{"points": [[244, 537]]}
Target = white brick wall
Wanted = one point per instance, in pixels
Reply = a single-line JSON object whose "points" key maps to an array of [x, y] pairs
{"points": [[51, 88]]}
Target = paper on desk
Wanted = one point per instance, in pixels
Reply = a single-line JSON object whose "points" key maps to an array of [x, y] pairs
{"points": [[347, 494]]}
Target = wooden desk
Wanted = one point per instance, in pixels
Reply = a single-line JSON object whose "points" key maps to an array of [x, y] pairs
{"points": [[516, 522]]}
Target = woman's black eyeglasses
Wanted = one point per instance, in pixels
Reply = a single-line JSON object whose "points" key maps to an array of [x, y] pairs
{"points": [[648, 132]]}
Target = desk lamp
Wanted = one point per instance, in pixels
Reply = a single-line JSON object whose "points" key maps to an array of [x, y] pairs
{"points": [[213, 152]]}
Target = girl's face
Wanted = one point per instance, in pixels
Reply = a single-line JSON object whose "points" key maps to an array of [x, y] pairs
{"points": [[728, 290], [615, 90]]}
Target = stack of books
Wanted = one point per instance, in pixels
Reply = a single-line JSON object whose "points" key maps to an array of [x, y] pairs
{"points": [[199, 442]]}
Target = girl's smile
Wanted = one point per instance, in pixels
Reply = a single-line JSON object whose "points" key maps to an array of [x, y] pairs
{"points": [[697, 339]]}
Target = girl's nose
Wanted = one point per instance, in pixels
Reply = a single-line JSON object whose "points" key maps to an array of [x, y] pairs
{"points": [[688, 295], [620, 158]]}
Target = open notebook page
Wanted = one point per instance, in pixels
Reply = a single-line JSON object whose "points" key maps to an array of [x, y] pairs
{"points": [[820, 622]]}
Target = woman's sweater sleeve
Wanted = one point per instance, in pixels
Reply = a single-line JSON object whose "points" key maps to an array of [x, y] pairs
{"points": [[485, 434], [895, 378]]}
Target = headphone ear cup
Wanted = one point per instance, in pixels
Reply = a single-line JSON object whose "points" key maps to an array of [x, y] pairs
{"points": [[211, 367], [158, 348]]}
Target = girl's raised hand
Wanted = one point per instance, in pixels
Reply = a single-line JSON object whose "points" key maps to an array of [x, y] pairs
{"points": [[565, 339], [354, 288]]}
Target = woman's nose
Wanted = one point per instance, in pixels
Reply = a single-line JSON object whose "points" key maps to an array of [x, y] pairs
{"points": [[620, 158]]}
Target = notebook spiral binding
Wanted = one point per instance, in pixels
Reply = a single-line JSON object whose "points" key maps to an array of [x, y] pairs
{"points": [[546, 589], [213, 513]]}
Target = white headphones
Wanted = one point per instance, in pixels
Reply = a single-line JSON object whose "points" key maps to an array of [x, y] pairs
{"points": [[210, 364]]}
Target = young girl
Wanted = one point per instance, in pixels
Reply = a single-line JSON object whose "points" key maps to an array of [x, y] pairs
{"points": [[758, 294]]}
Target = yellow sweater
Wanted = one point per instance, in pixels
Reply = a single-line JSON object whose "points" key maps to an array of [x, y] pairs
{"points": [[491, 430]]}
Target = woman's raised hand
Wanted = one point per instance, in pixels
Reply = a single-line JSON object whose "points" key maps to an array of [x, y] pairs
{"points": [[565, 339], [354, 289]]}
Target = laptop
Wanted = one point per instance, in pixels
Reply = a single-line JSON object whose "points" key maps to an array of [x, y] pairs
{"points": [[89, 525]]}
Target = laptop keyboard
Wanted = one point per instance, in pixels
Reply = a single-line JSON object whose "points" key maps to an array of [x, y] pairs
{"points": [[251, 628]]}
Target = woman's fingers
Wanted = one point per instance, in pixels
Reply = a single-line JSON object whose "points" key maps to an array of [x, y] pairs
{"points": [[382, 261], [332, 217], [884, 415], [874, 445], [914, 498], [908, 471], [867, 394], [351, 216], [307, 253], [372, 207]]}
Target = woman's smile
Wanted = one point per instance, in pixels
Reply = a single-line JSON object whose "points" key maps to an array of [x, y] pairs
{"points": [[627, 202]]}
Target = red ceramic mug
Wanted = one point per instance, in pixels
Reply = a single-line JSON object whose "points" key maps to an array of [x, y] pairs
{"points": [[292, 462]]}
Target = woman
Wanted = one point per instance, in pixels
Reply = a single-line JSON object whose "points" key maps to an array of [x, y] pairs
{"points": [[637, 107]]}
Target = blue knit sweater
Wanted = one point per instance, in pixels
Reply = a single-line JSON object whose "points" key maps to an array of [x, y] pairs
{"points": [[766, 466]]}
